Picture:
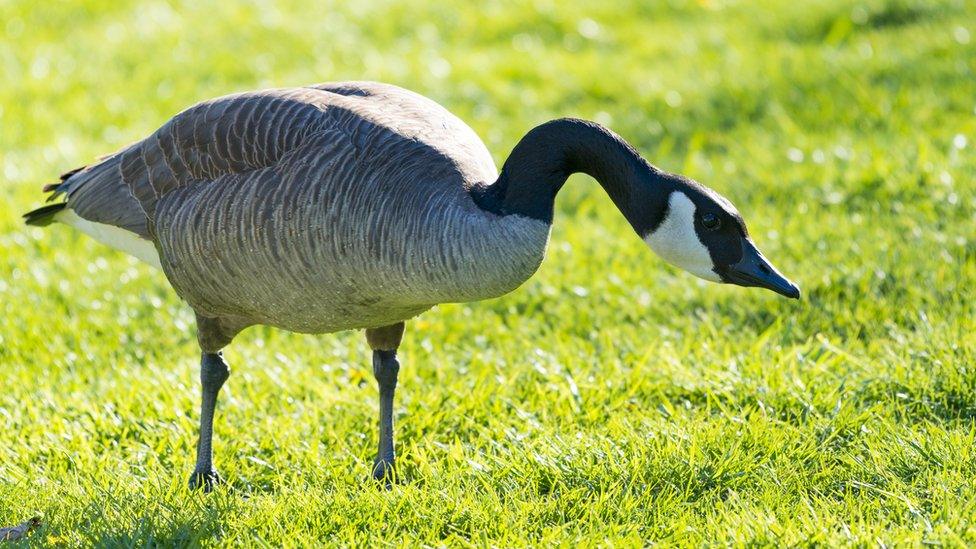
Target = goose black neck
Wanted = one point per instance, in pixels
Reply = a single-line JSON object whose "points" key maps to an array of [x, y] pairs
{"points": [[547, 155]]}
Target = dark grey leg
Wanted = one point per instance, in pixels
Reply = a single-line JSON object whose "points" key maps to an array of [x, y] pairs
{"points": [[385, 369], [384, 342], [213, 374]]}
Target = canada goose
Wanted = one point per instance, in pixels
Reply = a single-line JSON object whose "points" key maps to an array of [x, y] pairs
{"points": [[359, 205]]}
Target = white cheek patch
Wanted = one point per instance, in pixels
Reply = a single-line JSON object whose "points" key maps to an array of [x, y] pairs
{"points": [[676, 241]]}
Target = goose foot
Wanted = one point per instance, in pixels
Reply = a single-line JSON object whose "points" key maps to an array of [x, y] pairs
{"points": [[205, 479], [384, 472]]}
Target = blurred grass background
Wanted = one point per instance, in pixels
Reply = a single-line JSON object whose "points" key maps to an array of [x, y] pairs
{"points": [[611, 400]]}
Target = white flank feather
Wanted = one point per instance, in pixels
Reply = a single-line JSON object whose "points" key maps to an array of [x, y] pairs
{"points": [[112, 236]]}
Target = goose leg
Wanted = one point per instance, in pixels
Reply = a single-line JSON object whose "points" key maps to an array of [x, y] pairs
{"points": [[213, 334], [384, 342], [213, 374]]}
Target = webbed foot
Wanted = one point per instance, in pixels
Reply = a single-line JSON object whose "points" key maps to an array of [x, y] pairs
{"points": [[205, 479], [384, 472]]}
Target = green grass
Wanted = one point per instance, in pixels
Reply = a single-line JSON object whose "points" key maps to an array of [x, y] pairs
{"points": [[611, 400]]}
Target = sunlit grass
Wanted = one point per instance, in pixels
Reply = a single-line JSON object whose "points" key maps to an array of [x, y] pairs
{"points": [[611, 399]]}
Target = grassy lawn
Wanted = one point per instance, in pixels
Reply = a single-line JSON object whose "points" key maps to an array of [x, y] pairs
{"points": [[611, 399]]}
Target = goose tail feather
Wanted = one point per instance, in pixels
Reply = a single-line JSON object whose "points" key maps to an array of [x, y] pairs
{"points": [[44, 215], [59, 188]]}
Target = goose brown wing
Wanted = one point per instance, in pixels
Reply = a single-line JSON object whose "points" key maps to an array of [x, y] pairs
{"points": [[227, 136], [392, 130]]}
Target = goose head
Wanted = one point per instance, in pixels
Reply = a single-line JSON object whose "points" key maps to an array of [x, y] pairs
{"points": [[687, 224], [702, 233]]}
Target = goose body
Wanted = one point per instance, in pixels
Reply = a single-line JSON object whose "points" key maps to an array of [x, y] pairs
{"points": [[312, 209], [361, 205]]}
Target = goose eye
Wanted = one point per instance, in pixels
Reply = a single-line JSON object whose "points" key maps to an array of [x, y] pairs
{"points": [[711, 221]]}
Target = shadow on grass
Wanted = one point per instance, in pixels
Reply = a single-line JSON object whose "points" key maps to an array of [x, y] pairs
{"points": [[941, 403], [153, 516], [148, 532]]}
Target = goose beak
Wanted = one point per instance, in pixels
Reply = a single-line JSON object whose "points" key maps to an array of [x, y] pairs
{"points": [[755, 270]]}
